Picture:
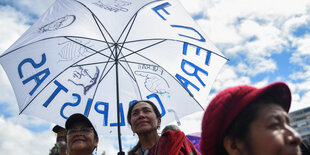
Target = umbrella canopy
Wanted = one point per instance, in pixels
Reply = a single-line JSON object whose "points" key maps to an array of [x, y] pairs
{"points": [[96, 57]]}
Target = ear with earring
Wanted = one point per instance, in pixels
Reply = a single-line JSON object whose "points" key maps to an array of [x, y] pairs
{"points": [[96, 150]]}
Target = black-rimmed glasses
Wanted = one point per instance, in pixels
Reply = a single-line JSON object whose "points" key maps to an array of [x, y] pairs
{"points": [[83, 131]]}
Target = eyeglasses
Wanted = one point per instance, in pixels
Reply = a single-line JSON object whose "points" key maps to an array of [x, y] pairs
{"points": [[83, 131]]}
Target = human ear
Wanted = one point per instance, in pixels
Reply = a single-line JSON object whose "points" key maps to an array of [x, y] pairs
{"points": [[159, 121], [233, 146], [96, 142]]}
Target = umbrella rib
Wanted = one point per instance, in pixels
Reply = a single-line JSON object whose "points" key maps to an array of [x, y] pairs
{"points": [[95, 63], [101, 78], [96, 20], [139, 63], [135, 16], [167, 73], [131, 75], [95, 17], [133, 41], [73, 65], [136, 52], [47, 39], [120, 50], [98, 52], [133, 19], [171, 76]]}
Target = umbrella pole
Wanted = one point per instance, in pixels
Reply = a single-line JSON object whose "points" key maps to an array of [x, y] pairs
{"points": [[118, 108]]}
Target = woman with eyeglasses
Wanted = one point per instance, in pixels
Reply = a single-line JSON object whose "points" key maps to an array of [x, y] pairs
{"points": [[82, 138]]}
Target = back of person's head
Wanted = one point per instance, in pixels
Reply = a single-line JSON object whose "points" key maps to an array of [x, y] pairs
{"points": [[170, 127]]}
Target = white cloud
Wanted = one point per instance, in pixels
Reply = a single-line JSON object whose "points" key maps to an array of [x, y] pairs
{"points": [[15, 139], [39, 7], [12, 26], [193, 6], [293, 23], [301, 75], [303, 46], [256, 66], [230, 24], [301, 56], [300, 94], [219, 32], [228, 77]]}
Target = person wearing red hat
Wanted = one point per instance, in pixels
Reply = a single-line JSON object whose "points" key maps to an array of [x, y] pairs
{"points": [[82, 137], [245, 120]]}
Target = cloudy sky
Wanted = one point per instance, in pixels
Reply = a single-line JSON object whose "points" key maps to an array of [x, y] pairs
{"points": [[265, 40]]}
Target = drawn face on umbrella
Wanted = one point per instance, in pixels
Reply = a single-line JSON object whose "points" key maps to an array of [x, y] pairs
{"points": [[81, 138], [143, 118]]}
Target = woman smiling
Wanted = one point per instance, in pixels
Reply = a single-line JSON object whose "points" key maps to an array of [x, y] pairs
{"points": [[82, 137], [145, 119]]}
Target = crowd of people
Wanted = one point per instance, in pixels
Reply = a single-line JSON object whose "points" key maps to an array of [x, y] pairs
{"points": [[241, 120]]}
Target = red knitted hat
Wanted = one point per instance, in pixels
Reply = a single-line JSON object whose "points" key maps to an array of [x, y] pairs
{"points": [[226, 106]]}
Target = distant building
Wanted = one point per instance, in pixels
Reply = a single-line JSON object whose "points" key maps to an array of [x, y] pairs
{"points": [[300, 121]]}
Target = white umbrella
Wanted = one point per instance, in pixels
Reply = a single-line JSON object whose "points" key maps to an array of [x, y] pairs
{"points": [[95, 57]]}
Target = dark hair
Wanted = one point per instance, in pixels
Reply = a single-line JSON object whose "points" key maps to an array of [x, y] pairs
{"points": [[170, 127], [240, 127], [134, 149], [157, 113]]}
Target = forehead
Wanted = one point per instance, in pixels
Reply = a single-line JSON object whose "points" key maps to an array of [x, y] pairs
{"points": [[62, 132], [272, 110], [142, 105], [79, 125]]}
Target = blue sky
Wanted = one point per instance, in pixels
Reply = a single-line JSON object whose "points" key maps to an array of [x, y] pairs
{"points": [[264, 40]]}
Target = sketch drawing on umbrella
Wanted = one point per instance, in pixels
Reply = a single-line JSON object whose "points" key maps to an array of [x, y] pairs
{"points": [[96, 57]]}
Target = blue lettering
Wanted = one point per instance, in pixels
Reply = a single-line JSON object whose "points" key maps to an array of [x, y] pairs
{"points": [[105, 112], [195, 73], [186, 83], [160, 103], [32, 63], [70, 104], [131, 102], [122, 122], [58, 89], [162, 7], [207, 61], [201, 39], [37, 79], [87, 109]]}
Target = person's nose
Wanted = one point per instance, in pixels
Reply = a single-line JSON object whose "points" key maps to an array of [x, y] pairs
{"points": [[292, 137], [141, 115]]}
